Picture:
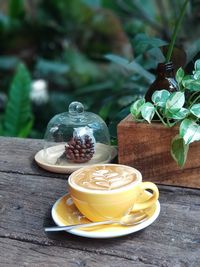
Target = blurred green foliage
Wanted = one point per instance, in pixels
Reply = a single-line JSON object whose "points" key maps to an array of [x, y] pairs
{"points": [[18, 118], [100, 52]]}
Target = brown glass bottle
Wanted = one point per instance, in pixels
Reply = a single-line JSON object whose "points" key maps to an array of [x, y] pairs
{"points": [[165, 79]]}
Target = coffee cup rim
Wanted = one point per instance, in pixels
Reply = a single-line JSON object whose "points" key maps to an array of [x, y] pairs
{"points": [[96, 191]]}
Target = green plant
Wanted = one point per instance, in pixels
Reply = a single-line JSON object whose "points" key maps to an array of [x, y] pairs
{"points": [[182, 108], [176, 28], [64, 43], [18, 118]]}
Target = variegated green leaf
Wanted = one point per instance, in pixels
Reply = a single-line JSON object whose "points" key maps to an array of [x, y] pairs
{"points": [[195, 110], [179, 115], [189, 131], [136, 108], [179, 150], [160, 97], [197, 65], [179, 75], [148, 111], [196, 75], [175, 102], [190, 83]]}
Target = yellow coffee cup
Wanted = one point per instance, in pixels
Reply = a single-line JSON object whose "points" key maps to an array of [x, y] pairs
{"points": [[108, 191]]}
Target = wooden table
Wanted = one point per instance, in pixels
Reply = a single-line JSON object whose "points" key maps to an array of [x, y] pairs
{"points": [[28, 193]]}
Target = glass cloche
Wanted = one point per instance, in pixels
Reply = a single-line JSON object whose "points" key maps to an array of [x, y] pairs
{"points": [[74, 139]]}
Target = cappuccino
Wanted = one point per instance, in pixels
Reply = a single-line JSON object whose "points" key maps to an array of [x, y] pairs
{"points": [[105, 177], [109, 191]]}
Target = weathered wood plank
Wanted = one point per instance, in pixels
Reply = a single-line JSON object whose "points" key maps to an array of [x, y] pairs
{"points": [[147, 148], [17, 155], [28, 254], [173, 240]]}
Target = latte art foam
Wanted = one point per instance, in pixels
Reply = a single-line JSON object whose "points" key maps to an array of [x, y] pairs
{"points": [[104, 178]]}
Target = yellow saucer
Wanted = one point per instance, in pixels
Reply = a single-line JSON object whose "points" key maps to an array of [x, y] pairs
{"points": [[64, 212], [103, 154]]}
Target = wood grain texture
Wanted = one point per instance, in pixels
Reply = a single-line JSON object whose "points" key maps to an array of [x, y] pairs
{"points": [[17, 156], [25, 203], [173, 238], [30, 254], [147, 148]]}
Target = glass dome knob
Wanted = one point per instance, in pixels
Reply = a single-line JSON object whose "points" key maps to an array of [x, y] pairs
{"points": [[76, 109]]}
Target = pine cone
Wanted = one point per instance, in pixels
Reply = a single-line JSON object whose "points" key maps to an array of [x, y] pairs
{"points": [[79, 150]]}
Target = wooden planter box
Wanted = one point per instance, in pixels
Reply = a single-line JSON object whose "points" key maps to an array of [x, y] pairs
{"points": [[146, 147]]}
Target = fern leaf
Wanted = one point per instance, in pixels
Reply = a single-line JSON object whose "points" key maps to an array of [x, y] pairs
{"points": [[18, 117]]}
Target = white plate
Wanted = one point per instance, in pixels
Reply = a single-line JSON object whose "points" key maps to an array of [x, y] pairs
{"points": [[46, 159], [64, 212]]}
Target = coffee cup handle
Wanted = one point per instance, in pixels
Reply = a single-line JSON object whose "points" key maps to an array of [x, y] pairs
{"points": [[149, 202]]}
